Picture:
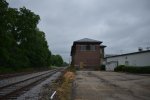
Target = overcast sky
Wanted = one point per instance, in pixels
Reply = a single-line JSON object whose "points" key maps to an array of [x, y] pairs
{"points": [[122, 25]]}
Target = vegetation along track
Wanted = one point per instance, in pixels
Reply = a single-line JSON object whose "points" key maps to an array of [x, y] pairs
{"points": [[11, 91], [5, 76]]}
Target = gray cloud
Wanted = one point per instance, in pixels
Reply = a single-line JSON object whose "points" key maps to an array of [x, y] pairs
{"points": [[122, 25]]}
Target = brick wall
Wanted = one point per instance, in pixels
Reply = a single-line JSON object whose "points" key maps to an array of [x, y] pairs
{"points": [[87, 58]]}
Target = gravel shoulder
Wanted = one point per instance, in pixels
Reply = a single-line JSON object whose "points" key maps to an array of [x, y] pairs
{"points": [[96, 85]]}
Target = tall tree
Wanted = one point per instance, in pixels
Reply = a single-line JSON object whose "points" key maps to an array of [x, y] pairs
{"points": [[21, 42]]}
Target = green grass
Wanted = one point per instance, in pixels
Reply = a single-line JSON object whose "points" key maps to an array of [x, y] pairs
{"points": [[10, 70]]}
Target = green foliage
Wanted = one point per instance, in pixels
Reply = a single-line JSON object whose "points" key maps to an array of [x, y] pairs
{"points": [[22, 44], [65, 64], [8, 70], [119, 68], [56, 60], [133, 69], [103, 67]]}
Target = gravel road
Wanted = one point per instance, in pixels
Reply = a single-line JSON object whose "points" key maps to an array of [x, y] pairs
{"points": [[96, 85]]}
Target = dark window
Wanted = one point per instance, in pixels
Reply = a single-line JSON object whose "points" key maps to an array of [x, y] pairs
{"points": [[126, 63], [83, 48], [93, 48], [87, 47]]}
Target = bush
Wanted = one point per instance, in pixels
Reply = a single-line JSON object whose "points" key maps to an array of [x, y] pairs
{"points": [[133, 69], [8, 70], [103, 67], [119, 68]]}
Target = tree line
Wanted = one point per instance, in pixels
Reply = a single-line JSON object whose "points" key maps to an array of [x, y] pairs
{"points": [[22, 44]]}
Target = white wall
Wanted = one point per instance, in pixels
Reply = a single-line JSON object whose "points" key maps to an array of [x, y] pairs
{"points": [[139, 59]]}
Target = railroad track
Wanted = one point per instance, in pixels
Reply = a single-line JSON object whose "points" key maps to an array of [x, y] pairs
{"points": [[13, 90]]}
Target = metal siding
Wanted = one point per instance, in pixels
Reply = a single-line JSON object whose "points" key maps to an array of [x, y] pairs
{"points": [[141, 59]]}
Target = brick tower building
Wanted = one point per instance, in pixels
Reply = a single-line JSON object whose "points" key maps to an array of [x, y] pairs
{"points": [[87, 53]]}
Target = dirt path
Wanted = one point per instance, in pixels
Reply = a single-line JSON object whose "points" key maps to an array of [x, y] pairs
{"points": [[95, 85]]}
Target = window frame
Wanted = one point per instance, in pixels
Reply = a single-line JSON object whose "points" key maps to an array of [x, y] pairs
{"points": [[87, 47]]}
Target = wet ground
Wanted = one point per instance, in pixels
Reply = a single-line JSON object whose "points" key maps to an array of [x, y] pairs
{"points": [[96, 85]]}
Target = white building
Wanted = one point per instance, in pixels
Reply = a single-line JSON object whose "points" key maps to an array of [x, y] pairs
{"points": [[139, 59]]}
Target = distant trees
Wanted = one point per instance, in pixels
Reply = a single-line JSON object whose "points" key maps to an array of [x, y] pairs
{"points": [[22, 44], [65, 64], [56, 60]]}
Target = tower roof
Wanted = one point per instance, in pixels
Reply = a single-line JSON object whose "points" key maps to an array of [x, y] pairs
{"points": [[88, 40]]}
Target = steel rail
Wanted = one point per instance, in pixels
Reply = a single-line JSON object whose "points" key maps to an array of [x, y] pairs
{"points": [[11, 90]]}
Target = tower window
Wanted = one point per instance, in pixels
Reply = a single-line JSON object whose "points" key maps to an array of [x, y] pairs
{"points": [[87, 48]]}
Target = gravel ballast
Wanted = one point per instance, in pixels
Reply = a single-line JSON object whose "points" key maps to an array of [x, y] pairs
{"points": [[34, 93]]}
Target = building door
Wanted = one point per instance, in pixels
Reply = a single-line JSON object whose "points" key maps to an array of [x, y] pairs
{"points": [[81, 65], [110, 66]]}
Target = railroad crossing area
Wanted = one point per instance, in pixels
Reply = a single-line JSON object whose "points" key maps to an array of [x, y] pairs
{"points": [[95, 85]]}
